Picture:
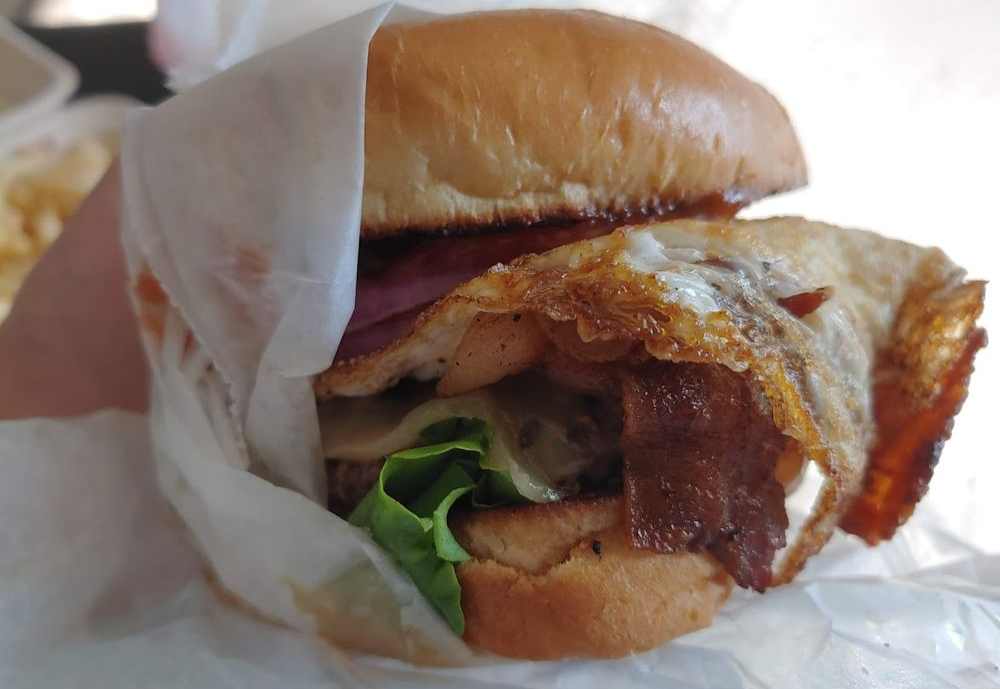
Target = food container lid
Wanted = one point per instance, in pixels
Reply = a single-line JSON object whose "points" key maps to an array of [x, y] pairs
{"points": [[33, 80]]}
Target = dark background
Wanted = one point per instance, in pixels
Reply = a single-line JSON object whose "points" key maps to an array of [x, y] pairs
{"points": [[112, 58]]}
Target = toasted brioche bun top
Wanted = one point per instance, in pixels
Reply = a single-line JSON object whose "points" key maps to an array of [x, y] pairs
{"points": [[520, 117]]}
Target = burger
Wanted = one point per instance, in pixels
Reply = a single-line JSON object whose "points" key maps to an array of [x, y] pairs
{"points": [[577, 399]]}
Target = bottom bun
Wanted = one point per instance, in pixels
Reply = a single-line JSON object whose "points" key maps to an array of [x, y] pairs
{"points": [[561, 580]]}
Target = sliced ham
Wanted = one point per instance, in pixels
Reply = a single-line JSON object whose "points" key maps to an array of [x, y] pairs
{"points": [[391, 297], [412, 275]]}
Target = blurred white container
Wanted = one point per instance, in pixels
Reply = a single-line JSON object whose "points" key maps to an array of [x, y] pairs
{"points": [[70, 150], [91, 116], [33, 79]]}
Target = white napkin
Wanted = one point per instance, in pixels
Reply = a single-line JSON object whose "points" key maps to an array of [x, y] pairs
{"points": [[242, 197]]}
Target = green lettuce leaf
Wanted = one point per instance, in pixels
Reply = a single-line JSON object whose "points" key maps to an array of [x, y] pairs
{"points": [[367, 428], [406, 511]]}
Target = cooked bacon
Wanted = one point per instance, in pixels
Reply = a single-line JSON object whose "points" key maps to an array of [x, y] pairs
{"points": [[700, 449], [699, 470], [909, 444], [804, 303]]}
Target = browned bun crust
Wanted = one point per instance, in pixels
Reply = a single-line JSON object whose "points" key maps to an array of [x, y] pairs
{"points": [[519, 117], [561, 580]]}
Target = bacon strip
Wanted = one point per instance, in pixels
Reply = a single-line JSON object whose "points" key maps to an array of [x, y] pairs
{"points": [[908, 447], [920, 381], [699, 470], [804, 303]]}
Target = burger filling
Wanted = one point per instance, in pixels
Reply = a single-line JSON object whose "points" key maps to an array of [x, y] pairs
{"points": [[398, 278], [527, 412]]}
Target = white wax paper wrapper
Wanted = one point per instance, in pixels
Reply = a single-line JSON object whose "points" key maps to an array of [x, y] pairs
{"points": [[101, 588], [242, 198], [262, 271]]}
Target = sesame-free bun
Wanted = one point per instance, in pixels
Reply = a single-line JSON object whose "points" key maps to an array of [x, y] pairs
{"points": [[561, 580], [530, 116]]}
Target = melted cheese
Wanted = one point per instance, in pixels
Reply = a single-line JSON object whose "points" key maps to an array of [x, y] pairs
{"points": [[543, 463]]}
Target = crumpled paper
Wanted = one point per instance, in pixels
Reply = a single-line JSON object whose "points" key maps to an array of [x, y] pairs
{"points": [[102, 588], [120, 600]]}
